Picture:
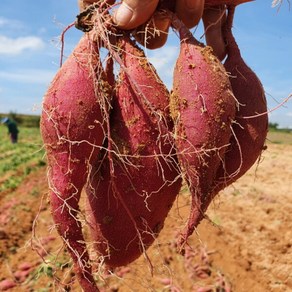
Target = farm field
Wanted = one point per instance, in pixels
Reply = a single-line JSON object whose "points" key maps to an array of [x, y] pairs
{"points": [[246, 245]]}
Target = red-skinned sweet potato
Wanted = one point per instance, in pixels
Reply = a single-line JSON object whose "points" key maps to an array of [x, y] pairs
{"points": [[203, 107], [73, 130], [7, 284], [132, 191], [251, 123]]}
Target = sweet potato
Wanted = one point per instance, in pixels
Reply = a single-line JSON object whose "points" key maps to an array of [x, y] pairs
{"points": [[73, 130], [203, 107], [7, 284], [251, 122], [132, 191], [250, 125]]}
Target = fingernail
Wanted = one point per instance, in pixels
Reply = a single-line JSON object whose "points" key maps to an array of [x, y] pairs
{"points": [[123, 15]]}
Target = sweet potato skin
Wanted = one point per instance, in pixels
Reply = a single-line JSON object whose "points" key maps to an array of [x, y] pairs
{"points": [[250, 125], [137, 187], [251, 122], [203, 107], [72, 128]]}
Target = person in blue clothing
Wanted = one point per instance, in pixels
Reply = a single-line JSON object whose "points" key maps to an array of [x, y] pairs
{"points": [[12, 129]]}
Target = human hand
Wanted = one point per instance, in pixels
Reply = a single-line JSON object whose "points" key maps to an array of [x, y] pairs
{"points": [[135, 14]]}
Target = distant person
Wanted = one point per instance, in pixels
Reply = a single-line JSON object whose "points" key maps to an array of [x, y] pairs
{"points": [[12, 129]]}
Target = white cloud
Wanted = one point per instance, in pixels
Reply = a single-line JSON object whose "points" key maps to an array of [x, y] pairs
{"points": [[5, 21], [42, 30], [9, 24], [28, 76], [10, 46], [164, 60]]}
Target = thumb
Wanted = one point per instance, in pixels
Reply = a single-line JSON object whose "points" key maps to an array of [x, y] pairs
{"points": [[133, 13]]}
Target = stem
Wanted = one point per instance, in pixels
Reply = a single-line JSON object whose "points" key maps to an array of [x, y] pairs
{"points": [[184, 33], [232, 47]]}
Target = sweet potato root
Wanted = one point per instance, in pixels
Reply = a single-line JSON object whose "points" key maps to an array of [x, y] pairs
{"points": [[72, 127], [203, 108]]}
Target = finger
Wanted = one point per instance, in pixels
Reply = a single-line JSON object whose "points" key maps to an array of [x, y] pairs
{"points": [[154, 33], [190, 11], [214, 19], [133, 13]]}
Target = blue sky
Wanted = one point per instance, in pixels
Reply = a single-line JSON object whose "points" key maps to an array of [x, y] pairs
{"points": [[30, 50]]}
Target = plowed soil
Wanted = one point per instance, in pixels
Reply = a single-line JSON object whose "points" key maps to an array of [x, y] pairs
{"points": [[245, 245]]}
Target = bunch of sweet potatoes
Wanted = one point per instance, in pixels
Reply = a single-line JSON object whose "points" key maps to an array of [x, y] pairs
{"points": [[130, 143]]}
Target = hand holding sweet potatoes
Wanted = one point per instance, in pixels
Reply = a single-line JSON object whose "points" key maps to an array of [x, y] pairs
{"points": [[130, 142]]}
